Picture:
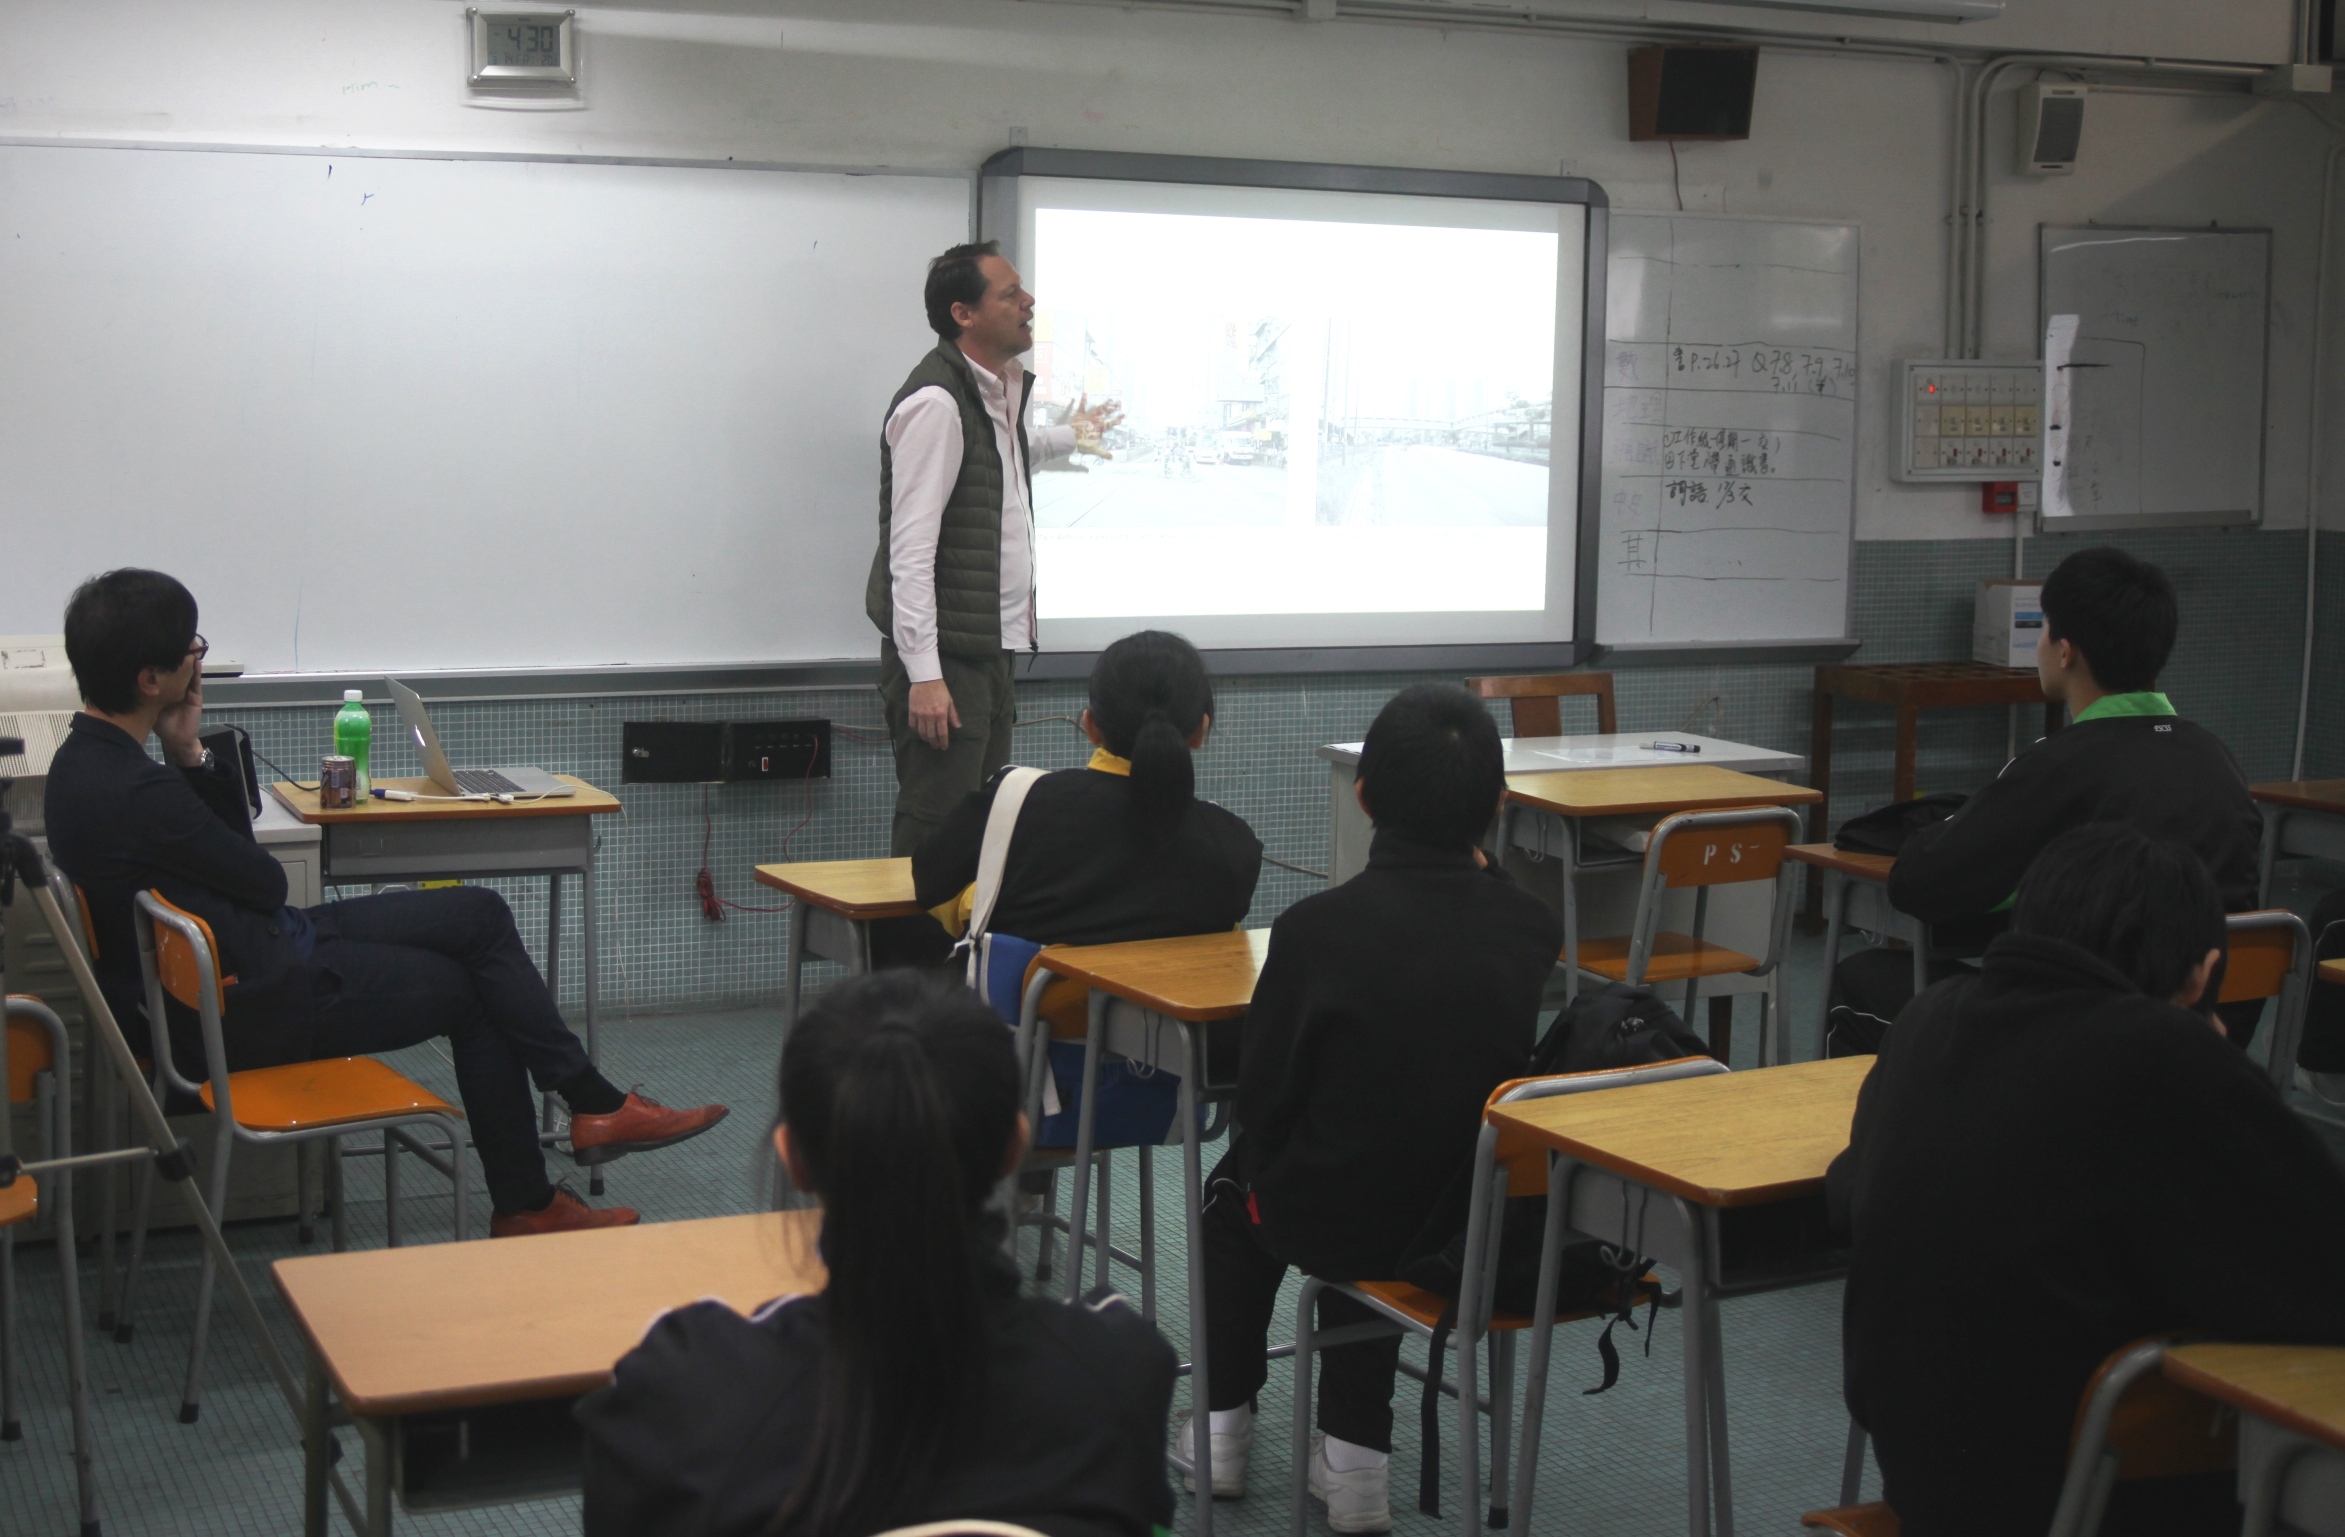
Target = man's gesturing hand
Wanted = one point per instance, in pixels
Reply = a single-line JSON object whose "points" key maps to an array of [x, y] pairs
{"points": [[933, 716], [1091, 423]]}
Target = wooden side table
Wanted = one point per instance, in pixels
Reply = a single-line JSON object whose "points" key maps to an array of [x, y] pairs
{"points": [[1908, 688]]}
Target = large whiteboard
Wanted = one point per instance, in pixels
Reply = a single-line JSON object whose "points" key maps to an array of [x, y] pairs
{"points": [[2160, 399], [447, 413], [1728, 494]]}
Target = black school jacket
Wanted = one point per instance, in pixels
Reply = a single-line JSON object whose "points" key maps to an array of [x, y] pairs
{"points": [[1080, 873], [703, 1427], [120, 823], [2160, 774], [1386, 1012], [2047, 1165]]}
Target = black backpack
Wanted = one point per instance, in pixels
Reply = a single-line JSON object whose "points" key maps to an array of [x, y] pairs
{"points": [[1618, 1026], [1885, 831]]}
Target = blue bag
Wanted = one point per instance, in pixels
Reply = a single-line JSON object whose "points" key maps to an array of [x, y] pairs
{"points": [[1137, 1104]]}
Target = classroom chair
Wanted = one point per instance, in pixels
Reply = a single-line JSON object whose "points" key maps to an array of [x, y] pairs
{"points": [[34, 1047], [2131, 1422], [1536, 700], [2269, 955], [1045, 1008], [106, 1100], [1697, 850], [296, 1103], [1504, 1166]]}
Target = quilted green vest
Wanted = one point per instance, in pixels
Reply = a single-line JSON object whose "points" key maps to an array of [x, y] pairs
{"points": [[969, 544]]}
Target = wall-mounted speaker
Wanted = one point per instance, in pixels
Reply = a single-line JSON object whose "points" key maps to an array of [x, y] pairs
{"points": [[2051, 126], [1691, 93]]}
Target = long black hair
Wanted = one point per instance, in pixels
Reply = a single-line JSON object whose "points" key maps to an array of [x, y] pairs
{"points": [[1149, 694], [900, 1092]]}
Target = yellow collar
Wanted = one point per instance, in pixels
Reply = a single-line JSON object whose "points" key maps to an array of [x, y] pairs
{"points": [[1108, 763]]}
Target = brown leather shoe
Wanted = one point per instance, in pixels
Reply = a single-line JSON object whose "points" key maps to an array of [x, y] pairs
{"points": [[565, 1213], [637, 1126]]}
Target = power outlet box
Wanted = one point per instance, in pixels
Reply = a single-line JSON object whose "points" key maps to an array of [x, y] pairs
{"points": [[723, 752], [777, 749]]}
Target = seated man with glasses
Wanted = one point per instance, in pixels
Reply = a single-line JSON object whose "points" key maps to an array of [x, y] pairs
{"points": [[344, 979]]}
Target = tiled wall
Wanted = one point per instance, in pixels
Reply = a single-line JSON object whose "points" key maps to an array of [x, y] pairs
{"points": [[2235, 670]]}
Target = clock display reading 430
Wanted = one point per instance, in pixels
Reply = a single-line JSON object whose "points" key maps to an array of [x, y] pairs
{"points": [[524, 47]]}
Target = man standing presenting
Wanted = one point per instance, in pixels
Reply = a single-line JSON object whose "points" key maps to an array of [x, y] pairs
{"points": [[952, 583]]}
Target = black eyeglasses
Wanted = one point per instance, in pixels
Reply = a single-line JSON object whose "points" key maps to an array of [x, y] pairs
{"points": [[201, 649]]}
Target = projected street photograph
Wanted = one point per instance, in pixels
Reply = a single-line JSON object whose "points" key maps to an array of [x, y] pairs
{"points": [[1380, 396]]}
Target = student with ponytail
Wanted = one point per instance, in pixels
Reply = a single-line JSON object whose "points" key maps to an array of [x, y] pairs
{"points": [[918, 1386], [1121, 848]]}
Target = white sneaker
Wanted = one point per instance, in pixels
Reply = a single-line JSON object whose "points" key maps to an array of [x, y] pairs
{"points": [[1356, 1501], [1229, 1461]]}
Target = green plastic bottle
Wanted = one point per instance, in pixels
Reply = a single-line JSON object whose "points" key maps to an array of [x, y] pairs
{"points": [[354, 729]]}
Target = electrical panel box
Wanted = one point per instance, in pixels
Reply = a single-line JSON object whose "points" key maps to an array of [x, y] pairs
{"points": [[778, 749], [723, 752], [1969, 419]]}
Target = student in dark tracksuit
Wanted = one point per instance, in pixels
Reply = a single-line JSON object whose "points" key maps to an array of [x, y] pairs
{"points": [[1118, 849], [2125, 756], [2055, 1157], [1386, 1012], [917, 1385]]}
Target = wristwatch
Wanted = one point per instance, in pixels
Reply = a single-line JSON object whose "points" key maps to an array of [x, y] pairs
{"points": [[209, 760]]}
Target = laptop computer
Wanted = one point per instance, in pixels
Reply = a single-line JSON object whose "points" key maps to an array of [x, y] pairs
{"points": [[456, 781]]}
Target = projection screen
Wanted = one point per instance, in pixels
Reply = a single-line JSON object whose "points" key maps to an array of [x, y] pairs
{"points": [[1360, 406]]}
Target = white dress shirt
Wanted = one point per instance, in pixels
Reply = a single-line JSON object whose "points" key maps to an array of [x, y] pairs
{"points": [[924, 449]]}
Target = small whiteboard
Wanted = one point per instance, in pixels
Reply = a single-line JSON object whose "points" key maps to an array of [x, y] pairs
{"points": [[2163, 384], [1728, 501]]}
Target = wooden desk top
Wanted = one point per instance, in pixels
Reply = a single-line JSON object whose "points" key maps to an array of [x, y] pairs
{"points": [[852, 888], [2333, 971], [589, 801], [2303, 794], [456, 1325], [1637, 791], [2300, 1387], [1199, 978], [1732, 1139], [1928, 685], [1864, 867]]}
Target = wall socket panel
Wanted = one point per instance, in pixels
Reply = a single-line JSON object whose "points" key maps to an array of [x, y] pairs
{"points": [[1968, 419], [723, 752]]}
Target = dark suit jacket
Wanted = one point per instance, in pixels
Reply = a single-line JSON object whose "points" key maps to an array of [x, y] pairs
{"points": [[121, 823]]}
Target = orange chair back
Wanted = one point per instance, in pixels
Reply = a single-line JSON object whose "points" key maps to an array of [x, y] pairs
{"points": [[89, 925], [180, 964], [2259, 962], [1537, 699], [1719, 856], [30, 1054], [2161, 1429]]}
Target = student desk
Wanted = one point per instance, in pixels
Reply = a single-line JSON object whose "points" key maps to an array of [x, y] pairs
{"points": [[2301, 816], [2291, 1403], [469, 840], [1654, 1166], [2332, 971], [832, 907], [458, 1362], [1156, 1001], [1856, 895]]}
